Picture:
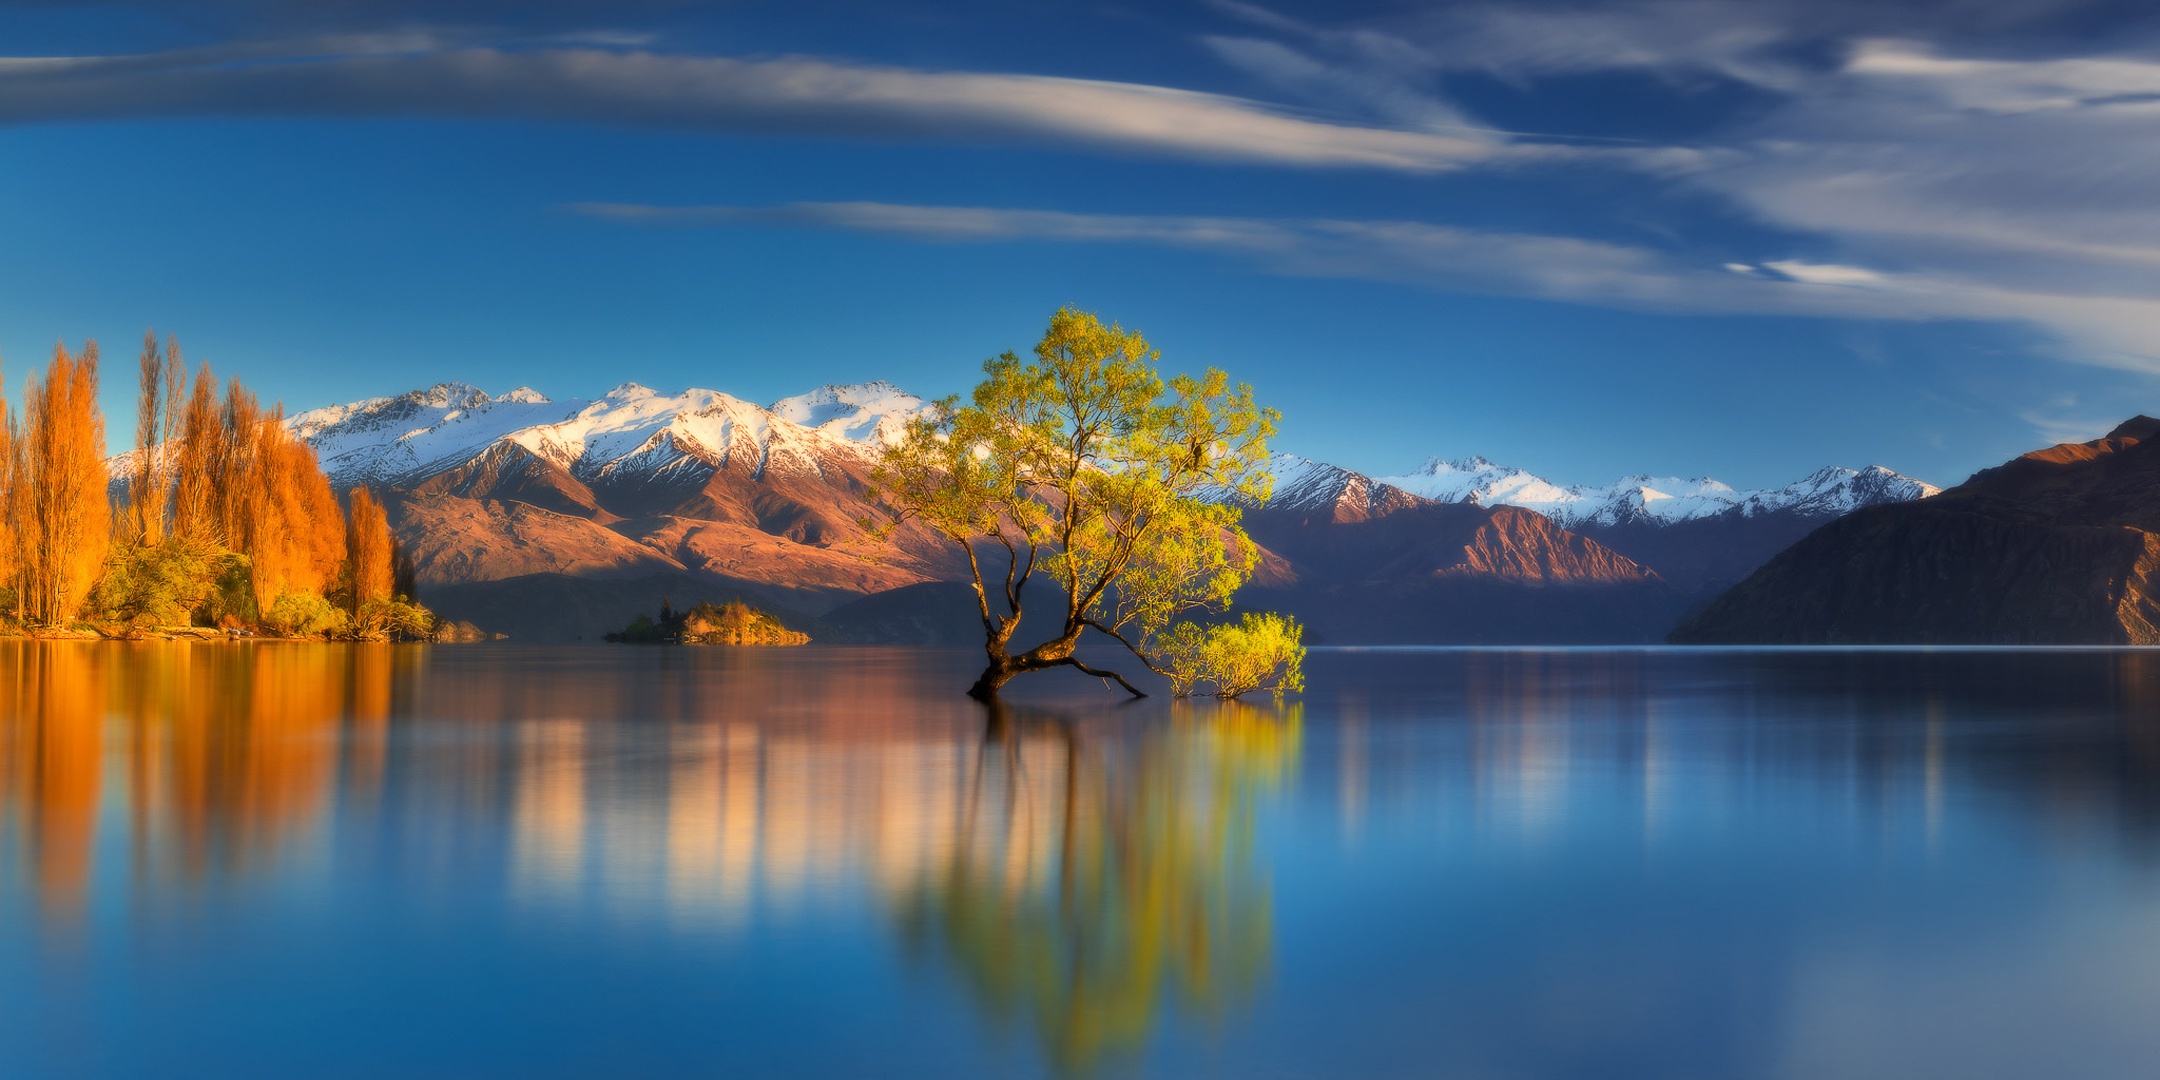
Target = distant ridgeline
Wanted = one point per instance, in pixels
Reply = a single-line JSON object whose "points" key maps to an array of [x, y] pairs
{"points": [[561, 517], [731, 623], [2059, 546]]}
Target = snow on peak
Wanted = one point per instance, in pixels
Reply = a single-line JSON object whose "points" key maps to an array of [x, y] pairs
{"points": [[871, 412], [1653, 499], [448, 395], [630, 431]]}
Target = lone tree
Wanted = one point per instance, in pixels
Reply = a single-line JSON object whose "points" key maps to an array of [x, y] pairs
{"points": [[1086, 468]]}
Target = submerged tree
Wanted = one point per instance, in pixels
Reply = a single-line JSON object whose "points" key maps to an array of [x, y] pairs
{"points": [[1084, 466]]}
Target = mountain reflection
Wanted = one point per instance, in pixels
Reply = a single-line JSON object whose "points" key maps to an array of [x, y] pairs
{"points": [[1081, 872], [1089, 878]]}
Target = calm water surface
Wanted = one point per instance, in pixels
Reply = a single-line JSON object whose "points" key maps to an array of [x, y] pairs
{"points": [[275, 861]]}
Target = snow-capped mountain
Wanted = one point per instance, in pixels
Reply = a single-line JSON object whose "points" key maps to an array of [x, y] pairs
{"points": [[633, 433], [630, 432], [552, 517], [1316, 487], [1654, 500]]}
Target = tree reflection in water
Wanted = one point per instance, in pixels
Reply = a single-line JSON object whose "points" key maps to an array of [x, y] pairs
{"points": [[227, 754], [1102, 875]]}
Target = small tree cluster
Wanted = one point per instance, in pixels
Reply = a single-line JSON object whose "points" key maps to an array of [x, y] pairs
{"points": [[1261, 651], [228, 519], [57, 515], [730, 623]]}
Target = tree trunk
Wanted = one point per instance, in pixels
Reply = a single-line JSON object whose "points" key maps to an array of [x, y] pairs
{"points": [[993, 679]]}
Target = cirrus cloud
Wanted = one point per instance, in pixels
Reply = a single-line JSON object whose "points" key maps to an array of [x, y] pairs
{"points": [[421, 75]]}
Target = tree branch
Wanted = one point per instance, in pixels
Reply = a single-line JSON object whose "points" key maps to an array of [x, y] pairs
{"points": [[1104, 673], [982, 596], [1129, 646]]}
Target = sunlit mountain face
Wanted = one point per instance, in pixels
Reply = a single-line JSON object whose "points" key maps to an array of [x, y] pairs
{"points": [[556, 520]]}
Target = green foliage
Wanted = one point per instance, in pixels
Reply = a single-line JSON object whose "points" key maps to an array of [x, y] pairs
{"points": [[159, 584], [1086, 466], [735, 623], [232, 600], [731, 623], [1262, 651], [1138, 894], [303, 614], [392, 619], [643, 631]]}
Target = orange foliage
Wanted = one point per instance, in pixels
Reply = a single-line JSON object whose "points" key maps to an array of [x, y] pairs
{"points": [[294, 531], [234, 477], [11, 470], [150, 483], [195, 466], [367, 549], [65, 516]]}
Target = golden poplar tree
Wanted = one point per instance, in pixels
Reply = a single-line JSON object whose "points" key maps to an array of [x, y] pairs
{"points": [[367, 550], [195, 465], [287, 517], [11, 561], [67, 515], [237, 487], [153, 408]]}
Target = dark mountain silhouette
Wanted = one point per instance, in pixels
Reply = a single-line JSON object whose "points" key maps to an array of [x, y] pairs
{"points": [[2059, 546]]}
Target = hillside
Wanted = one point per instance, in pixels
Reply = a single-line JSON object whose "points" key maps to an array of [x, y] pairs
{"points": [[543, 518], [2058, 546], [503, 500]]}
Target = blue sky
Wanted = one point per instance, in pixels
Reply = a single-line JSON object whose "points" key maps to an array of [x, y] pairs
{"points": [[1673, 237]]}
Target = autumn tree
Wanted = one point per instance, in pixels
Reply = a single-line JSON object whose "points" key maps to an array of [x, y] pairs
{"points": [[148, 482], [195, 463], [11, 555], [1086, 468], [66, 516], [368, 550], [291, 528]]}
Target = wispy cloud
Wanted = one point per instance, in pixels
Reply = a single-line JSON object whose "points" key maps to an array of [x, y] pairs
{"points": [[426, 76], [1467, 260], [2016, 177]]}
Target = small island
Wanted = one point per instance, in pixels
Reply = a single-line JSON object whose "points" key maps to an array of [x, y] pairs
{"points": [[731, 623]]}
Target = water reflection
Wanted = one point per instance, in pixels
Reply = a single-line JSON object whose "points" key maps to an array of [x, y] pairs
{"points": [[1095, 872], [220, 758], [1504, 863], [1075, 869]]}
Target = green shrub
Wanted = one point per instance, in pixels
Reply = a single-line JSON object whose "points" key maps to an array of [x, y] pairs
{"points": [[160, 584], [397, 619], [1262, 651], [303, 614]]}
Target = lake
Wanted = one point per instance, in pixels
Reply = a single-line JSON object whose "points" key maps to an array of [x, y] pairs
{"points": [[276, 860]]}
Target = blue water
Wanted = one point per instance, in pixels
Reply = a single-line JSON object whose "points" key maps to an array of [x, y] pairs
{"points": [[469, 861]]}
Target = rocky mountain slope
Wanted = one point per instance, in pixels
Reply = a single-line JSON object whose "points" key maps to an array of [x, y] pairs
{"points": [[1700, 536], [494, 494], [1379, 566], [547, 518], [2059, 546], [1667, 500]]}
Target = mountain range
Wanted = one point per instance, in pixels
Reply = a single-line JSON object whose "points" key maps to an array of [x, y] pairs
{"points": [[2060, 546], [548, 519]]}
